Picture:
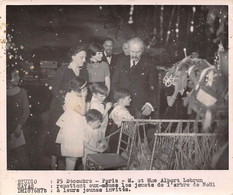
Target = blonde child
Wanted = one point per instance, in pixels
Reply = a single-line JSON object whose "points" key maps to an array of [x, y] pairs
{"points": [[99, 94], [119, 113], [92, 134], [72, 123]]}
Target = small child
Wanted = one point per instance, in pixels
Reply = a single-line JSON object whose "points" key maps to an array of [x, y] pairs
{"points": [[99, 94], [119, 113], [92, 135], [72, 123]]}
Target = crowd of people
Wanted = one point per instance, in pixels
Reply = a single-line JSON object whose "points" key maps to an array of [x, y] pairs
{"points": [[94, 88], [92, 95]]}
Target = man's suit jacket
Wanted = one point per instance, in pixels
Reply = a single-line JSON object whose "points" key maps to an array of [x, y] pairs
{"points": [[112, 65], [141, 81]]}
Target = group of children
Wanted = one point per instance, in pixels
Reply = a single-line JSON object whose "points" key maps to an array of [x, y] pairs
{"points": [[83, 125]]}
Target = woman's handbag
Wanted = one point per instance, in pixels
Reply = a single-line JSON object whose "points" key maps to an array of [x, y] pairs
{"points": [[15, 142]]}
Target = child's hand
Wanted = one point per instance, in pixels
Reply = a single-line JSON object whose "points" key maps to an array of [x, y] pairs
{"points": [[108, 105], [102, 145], [84, 92]]}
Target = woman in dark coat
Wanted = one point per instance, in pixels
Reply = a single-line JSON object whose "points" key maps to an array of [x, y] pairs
{"points": [[17, 116], [60, 87]]}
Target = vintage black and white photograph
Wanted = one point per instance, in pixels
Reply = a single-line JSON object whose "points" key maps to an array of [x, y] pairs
{"points": [[117, 87]]}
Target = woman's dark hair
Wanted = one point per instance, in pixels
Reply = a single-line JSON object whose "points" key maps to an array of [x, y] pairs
{"points": [[93, 49], [100, 88], [120, 93], [77, 84], [73, 51], [93, 115]]}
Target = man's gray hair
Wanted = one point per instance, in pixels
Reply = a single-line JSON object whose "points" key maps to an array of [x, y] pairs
{"points": [[136, 40]]}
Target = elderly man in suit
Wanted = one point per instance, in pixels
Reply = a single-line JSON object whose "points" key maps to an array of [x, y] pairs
{"points": [[108, 55], [137, 74]]}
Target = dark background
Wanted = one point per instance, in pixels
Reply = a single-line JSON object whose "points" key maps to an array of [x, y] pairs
{"points": [[50, 31], [44, 32]]}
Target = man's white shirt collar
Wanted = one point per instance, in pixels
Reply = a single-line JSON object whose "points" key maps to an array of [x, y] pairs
{"points": [[131, 63], [108, 58], [107, 55]]}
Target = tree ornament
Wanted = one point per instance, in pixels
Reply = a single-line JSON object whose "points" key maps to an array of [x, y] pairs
{"points": [[131, 15], [177, 30], [169, 26], [161, 23], [192, 21]]}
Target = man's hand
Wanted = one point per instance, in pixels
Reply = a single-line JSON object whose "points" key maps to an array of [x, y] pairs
{"points": [[146, 110]]}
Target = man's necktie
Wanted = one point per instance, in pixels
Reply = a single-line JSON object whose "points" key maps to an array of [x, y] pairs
{"points": [[134, 64], [108, 57]]}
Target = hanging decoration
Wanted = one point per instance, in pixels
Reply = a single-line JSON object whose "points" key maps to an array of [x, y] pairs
{"points": [[169, 26], [185, 52], [177, 30], [208, 86], [192, 21], [131, 14], [216, 59], [177, 23], [153, 36], [161, 23]]}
